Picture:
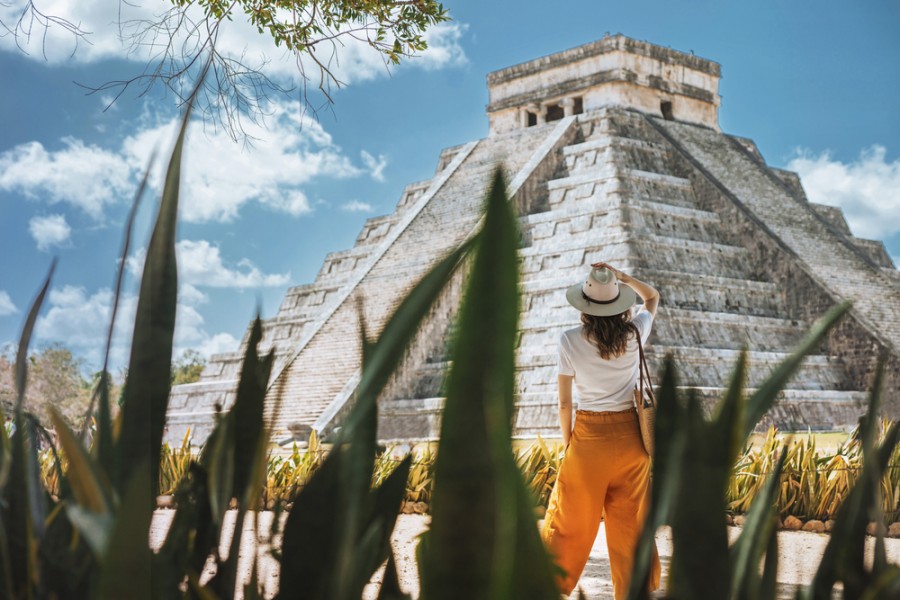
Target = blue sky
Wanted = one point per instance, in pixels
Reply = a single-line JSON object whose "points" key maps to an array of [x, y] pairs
{"points": [[815, 84]]}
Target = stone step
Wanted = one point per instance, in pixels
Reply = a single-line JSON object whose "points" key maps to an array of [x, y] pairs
{"points": [[616, 151], [717, 294], [706, 258], [586, 179], [538, 413], [413, 192], [700, 329], [375, 229], [603, 141], [536, 365], [695, 366], [827, 255]]}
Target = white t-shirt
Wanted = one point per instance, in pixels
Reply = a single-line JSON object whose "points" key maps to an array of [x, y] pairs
{"points": [[602, 385]]}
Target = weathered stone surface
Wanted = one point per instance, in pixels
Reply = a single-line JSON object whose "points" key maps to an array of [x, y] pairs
{"points": [[739, 255], [792, 523]]}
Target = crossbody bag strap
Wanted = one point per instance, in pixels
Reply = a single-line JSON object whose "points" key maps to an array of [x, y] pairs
{"points": [[644, 371]]}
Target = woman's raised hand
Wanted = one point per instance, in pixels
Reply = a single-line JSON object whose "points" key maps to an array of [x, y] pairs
{"points": [[619, 274]]}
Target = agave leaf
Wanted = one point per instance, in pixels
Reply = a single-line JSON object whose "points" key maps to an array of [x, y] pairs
{"points": [[191, 537], [700, 541], [219, 462], [237, 465], [200, 592], [6, 572], [96, 527], [477, 545], [670, 438], [385, 506], [252, 589], [24, 341], [126, 566], [355, 546], [844, 557], [699, 567], [309, 543], [225, 579], [103, 444], [728, 427], [5, 454], [22, 517], [24, 510], [88, 483], [885, 587], [759, 527], [330, 507], [764, 397], [768, 582], [390, 583], [147, 385], [400, 329], [248, 409]]}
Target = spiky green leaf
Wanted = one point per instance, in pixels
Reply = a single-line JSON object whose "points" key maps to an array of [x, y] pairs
{"points": [[764, 397], [147, 384], [481, 543]]}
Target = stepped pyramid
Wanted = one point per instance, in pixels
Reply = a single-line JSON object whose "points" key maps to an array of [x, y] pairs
{"points": [[613, 152]]}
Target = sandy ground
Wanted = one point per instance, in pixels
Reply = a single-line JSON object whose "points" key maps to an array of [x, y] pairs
{"points": [[799, 554]]}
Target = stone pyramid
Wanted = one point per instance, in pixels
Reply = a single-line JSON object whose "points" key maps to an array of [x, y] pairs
{"points": [[613, 152]]}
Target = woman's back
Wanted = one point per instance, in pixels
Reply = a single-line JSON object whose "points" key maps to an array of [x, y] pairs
{"points": [[602, 384]]}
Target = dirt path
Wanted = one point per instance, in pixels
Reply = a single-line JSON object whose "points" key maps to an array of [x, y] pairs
{"points": [[799, 554]]}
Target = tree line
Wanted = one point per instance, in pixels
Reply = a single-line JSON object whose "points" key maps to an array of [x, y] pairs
{"points": [[59, 378]]}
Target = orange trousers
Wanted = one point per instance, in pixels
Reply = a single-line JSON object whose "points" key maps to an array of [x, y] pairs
{"points": [[605, 468]]}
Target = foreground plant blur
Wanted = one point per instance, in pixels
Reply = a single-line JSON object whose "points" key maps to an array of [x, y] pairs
{"points": [[89, 539]]}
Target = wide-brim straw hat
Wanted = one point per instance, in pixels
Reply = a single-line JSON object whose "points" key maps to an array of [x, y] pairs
{"points": [[601, 294]]}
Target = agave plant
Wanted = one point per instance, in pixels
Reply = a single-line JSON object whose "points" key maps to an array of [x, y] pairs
{"points": [[691, 490]]}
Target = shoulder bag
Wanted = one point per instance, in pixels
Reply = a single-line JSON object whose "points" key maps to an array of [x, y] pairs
{"points": [[645, 401]]}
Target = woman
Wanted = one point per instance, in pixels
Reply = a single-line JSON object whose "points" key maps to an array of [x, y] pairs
{"points": [[605, 467]]}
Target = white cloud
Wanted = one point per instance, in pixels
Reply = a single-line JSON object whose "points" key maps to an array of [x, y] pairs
{"points": [[200, 264], [6, 305], [357, 206], [188, 294], [217, 344], [444, 47], [80, 321], [52, 230], [374, 165], [87, 177], [354, 60], [219, 178], [867, 189]]}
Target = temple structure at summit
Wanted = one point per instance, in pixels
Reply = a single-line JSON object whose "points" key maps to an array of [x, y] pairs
{"points": [[613, 151]]}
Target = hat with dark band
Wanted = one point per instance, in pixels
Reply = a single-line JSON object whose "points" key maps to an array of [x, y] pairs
{"points": [[601, 295]]}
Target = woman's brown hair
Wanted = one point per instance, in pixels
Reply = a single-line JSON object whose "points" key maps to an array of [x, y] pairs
{"points": [[609, 334]]}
